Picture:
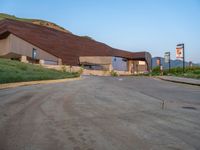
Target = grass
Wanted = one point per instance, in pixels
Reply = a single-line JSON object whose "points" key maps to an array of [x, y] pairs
{"points": [[190, 72], [4, 16], [41, 22], [15, 71]]}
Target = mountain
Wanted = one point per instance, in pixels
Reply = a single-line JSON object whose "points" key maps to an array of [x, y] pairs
{"points": [[34, 21], [174, 63]]}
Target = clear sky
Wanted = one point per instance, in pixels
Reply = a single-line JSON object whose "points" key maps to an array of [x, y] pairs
{"points": [[134, 25]]}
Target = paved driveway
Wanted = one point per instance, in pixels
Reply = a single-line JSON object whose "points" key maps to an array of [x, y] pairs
{"points": [[101, 113]]}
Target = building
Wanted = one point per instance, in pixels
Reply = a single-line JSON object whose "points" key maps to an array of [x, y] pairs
{"points": [[28, 42]]}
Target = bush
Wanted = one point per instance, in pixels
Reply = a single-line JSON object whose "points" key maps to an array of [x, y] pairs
{"points": [[190, 72], [63, 68], [113, 73], [156, 69], [81, 70]]}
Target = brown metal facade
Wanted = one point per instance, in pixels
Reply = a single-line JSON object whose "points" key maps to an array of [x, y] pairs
{"points": [[66, 46]]}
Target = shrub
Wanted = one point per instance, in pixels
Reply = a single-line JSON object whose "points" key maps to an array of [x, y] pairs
{"points": [[190, 72], [63, 68], [156, 69], [113, 73], [81, 69]]}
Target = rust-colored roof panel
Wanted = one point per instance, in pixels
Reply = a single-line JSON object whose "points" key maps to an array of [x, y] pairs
{"points": [[66, 46]]}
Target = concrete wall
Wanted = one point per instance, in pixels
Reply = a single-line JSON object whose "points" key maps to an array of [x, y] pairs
{"points": [[22, 47], [120, 64], [135, 66], [96, 72], [4, 46], [64, 67], [100, 60], [15, 45], [139, 67], [117, 64]]}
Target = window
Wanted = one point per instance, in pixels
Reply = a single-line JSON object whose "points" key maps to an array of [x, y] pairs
{"points": [[124, 59], [34, 53]]}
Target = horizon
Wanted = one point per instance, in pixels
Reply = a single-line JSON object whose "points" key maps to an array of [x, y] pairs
{"points": [[158, 26]]}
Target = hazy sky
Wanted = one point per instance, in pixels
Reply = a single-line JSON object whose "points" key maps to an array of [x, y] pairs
{"points": [[134, 25]]}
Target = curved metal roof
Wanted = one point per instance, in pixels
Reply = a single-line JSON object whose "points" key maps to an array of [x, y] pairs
{"points": [[66, 46]]}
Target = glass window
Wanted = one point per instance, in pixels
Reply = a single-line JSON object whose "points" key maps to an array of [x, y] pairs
{"points": [[34, 53]]}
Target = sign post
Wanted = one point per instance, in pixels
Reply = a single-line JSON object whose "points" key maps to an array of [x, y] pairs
{"points": [[167, 59], [180, 54]]}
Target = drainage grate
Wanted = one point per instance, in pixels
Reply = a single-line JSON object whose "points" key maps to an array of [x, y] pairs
{"points": [[189, 107]]}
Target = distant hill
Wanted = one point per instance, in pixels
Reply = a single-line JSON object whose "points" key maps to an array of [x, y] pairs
{"points": [[174, 63], [35, 21]]}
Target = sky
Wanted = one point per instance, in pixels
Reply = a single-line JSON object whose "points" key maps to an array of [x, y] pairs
{"points": [[156, 26]]}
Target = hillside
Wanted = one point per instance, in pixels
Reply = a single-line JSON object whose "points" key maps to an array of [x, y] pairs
{"points": [[35, 21], [15, 71]]}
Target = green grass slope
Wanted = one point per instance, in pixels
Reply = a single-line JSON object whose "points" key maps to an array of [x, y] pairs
{"points": [[40, 22], [15, 71]]}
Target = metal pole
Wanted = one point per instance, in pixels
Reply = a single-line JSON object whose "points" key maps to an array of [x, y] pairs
{"points": [[183, 58], [161, 67], [169, 62]]}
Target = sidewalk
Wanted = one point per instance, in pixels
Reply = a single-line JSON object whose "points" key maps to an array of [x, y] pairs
{"points": [[180, 80], [17, 84]]}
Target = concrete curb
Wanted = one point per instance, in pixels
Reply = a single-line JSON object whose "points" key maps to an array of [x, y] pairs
{"points": [[178, 81], [17, 84]]}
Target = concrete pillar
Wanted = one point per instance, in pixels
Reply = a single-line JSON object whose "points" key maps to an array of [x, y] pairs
{"points": [[110, 67], [135, 67], [41, 62], [129, 66], [59, 61], [24, 59]]}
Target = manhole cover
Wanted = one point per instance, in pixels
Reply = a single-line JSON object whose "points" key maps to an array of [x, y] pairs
{"points": [[189, 107]]}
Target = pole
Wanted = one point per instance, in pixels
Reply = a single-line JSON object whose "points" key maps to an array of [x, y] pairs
{"points": [[169, 62], [161, 67], [183, 58]]}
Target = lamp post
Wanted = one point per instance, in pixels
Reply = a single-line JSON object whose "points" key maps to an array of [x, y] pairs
{"points": [[181, 54]]}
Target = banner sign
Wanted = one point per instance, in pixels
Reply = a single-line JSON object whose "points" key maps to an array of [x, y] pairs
{"points": [[158, 61], [179, 52], [167, 57]]}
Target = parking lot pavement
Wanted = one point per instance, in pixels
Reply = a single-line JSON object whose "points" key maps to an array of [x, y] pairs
{"points": [[101, 113]]}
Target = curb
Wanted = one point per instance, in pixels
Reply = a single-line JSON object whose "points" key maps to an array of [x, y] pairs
{"points": [[175, 81], [17, 84]]}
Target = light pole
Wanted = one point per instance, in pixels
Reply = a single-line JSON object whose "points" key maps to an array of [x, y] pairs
{"points": [[183, 55]]}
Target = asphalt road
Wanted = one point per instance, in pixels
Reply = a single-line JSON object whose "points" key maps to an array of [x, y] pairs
{"points": [[101, 113]]}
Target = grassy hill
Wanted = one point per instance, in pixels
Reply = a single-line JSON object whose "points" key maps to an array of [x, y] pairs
{"points": [[34, 21], [40, 22], [15, 71]]}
